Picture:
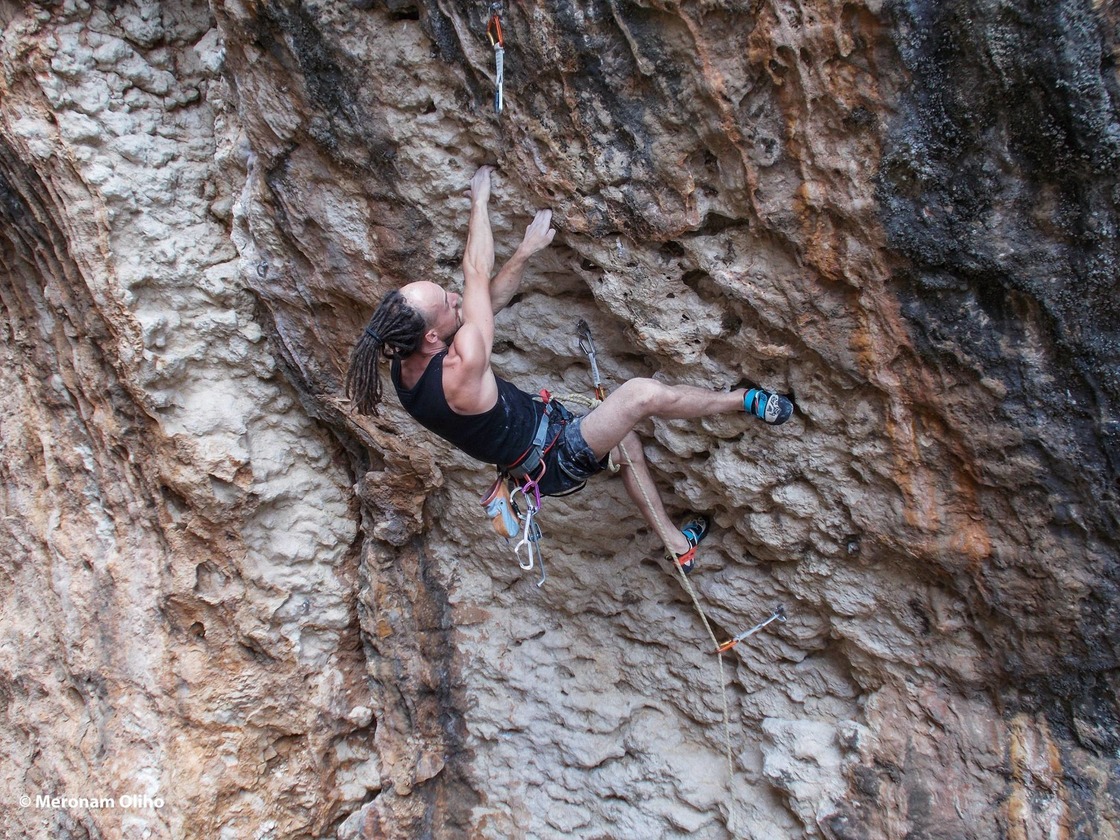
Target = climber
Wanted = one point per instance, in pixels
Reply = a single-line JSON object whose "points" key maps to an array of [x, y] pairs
{"points": [[439, 344]]}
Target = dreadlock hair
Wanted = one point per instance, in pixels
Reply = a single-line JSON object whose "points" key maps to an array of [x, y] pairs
{"points": [[394, 331]]}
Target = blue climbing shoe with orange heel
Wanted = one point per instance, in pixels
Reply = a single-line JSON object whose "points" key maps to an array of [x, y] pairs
{"points": [[774, 409], [694, 531]]}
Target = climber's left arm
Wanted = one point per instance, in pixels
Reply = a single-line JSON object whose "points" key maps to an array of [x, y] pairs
{"points": [[507, 281]]}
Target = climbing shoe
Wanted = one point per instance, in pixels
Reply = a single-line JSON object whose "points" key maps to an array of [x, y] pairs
{"points": [[694, 531], [769, 408]]}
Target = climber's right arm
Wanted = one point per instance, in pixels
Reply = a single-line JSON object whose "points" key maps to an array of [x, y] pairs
{"points": [[478, 261], [468, 381]]}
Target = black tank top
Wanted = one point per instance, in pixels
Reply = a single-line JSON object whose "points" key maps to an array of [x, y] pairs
{"points": [[498, 436]]}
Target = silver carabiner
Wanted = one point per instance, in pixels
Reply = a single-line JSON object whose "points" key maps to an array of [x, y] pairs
{"points": [[530, 538]]}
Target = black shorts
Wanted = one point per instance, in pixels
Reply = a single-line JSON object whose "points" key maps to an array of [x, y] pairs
{"points": [[570, 461]]}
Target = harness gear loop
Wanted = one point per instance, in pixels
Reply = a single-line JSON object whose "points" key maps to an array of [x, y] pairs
{"points": [[498, 42]]}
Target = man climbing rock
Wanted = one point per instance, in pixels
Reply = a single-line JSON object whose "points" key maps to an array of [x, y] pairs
{"points": [[439, 343]]}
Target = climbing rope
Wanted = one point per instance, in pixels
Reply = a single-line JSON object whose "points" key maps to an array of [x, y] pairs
{"points": [[707, 626], [719, 648], [587, 345], [531, 536]]}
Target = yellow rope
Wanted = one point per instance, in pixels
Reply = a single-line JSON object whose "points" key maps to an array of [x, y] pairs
{"points": [[591, 403], [707, 626]]}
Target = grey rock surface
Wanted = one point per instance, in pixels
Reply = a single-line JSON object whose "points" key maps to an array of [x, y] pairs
{"points": [[225, 590]]}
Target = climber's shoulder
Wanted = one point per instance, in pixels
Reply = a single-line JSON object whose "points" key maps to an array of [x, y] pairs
{"points": [[468, 381]]}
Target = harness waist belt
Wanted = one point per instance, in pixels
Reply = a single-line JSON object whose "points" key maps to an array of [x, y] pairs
{"points": [[528, 463]]}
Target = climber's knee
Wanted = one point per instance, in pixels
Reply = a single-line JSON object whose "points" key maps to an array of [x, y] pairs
{"points": [[631, 403], [643, 397]]}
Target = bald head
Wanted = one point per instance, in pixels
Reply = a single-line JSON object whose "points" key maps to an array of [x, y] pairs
{"points": [[441, 309], [423, 296]]}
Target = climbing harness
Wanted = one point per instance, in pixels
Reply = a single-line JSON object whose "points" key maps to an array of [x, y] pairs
{"points": [[498, 42], [529, 462], [523, 478]]}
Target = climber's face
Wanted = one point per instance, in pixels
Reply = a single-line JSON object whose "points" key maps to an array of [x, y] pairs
{"points": [[443, 310]]}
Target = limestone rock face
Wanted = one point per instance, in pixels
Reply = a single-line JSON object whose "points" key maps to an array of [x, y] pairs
{"points": [[230, 598]]}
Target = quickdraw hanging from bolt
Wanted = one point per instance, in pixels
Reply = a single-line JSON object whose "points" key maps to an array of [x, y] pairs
{"points": [[498, 41], [583, 332], [779, 615]]}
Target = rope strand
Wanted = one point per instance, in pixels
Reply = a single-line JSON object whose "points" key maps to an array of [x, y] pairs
{"points": [[579, 399], [707, 626]]}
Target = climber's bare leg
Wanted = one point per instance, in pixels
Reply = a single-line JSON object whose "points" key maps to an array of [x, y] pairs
{"points": [[639, 399], [640, 487], [612, 423]]}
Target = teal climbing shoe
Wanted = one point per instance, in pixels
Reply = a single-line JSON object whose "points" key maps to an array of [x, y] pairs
{"points": [[694, 531], [769, 408]]}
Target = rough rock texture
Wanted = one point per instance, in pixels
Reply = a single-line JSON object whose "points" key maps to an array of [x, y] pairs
{"points": [[223, 590]]}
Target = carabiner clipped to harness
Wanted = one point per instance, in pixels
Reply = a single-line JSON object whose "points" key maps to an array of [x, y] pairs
{"points": [[524, 476], [531, 535], [498, 42]]}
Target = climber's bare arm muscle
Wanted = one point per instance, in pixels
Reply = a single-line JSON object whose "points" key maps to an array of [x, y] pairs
{"points": [[468, 379], [478, 261], [537, 237]]}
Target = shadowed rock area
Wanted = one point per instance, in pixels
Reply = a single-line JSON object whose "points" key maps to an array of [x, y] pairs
{"points": [[229, 596]]}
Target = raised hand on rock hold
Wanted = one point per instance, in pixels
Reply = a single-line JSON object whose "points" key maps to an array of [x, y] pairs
{"points": [[539, 234], [479, 191]]}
